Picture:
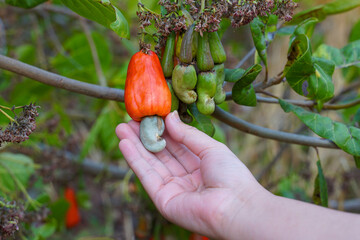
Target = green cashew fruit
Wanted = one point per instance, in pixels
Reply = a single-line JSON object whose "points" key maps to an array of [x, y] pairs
{"points": [[217, 49], [220, 94], [188, 45], [178, 44], [174, 99], [184, 80], [167, 61], [203, 55], [206, 89]]}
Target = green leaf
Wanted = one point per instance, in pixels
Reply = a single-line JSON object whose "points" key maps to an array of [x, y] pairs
{"points": [[351, 53], [329, 53], [271, 24], [243, 77], [320, 195], [346, 138], [58, 210], [321, 86], [257, 31], [79, 63], [244, 96], [357, 161], [234, 75], [355, 32], [224, 25], [93, 135], [287, 30], [347, 58], [322, 11], [201, 121], [24, 3], [21, 167], [299, 66], [102, 12], [45, 230], [305, 27]]}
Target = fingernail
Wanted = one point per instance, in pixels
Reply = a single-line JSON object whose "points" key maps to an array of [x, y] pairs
{"points": [[175, 116]]}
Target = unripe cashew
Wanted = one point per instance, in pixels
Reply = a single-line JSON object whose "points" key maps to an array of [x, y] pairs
{"points": [[151, 129]]}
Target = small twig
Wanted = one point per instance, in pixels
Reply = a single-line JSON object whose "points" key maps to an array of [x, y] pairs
{"points": [[348, 65], [2, 38], [94, 53], [202, 6], [352, 86], [246, 57], [55, 9], [302, 103], [32, 202], [276, 158], [273, 81], [351, 205], [39, 37], [8, 116], [268, 94]]}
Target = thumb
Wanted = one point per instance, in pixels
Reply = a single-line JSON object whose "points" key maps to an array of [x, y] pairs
{"points": [[191, 137]]}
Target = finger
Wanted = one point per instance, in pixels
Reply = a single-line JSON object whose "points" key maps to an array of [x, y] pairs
{"points": [[147, 174], [171, 163], [195, 140], [124, 131], [184, 156], [164, 156]]}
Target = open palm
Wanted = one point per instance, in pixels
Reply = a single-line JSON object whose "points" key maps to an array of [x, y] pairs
{"points": [[194, 181]]}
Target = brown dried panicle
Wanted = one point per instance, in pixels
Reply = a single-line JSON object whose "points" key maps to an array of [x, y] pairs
{"points": [[24, 124], [209, 20], [242, 13], [12, 214], [285, 9], [169, 6]]}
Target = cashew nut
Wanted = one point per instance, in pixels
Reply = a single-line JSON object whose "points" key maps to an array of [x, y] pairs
{"points": [[151, 129]]}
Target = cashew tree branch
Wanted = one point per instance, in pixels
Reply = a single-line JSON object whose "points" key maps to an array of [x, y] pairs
{"points": [[97, 91]]}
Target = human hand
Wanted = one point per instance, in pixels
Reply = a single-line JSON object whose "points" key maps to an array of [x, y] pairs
{"points": [[195, 182]]}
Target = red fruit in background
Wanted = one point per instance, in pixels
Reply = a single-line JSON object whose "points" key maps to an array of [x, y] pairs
{"points": [[72, 214], [195, 236], [146, 90]]}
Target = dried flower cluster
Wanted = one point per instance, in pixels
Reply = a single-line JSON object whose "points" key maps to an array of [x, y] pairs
{"points": [[240, 12], [24, 124], [12, 214]]}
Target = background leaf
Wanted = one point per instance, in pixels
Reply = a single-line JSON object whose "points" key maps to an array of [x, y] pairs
{"points": [[322, 11], [299, 66], [355, 32], [24, 3], [258, 33], [201, 121], [346, 138], [102, 12], [320, 195], [233, 75], [244, 96], [20, 165], [321, 86]]}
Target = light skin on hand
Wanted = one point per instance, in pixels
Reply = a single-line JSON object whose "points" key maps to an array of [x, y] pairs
{"points": [[193, 180], [199, 184]]}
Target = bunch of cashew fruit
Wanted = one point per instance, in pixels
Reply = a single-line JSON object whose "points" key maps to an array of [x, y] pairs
{"points": [[191, 71]]}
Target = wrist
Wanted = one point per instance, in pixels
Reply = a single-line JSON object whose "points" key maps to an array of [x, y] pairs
{"points": [[242, 216]]}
